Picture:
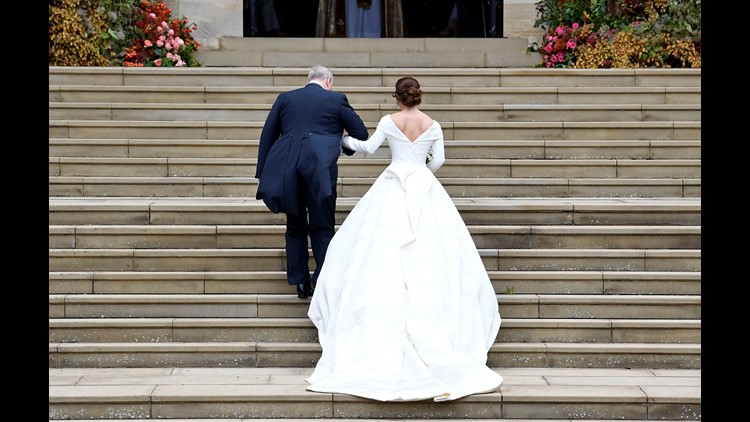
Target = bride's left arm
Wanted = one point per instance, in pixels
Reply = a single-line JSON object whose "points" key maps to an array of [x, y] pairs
{"points": [[438, 154]]}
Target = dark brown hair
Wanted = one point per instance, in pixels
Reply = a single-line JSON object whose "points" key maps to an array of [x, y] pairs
{"points": [[408, 91]]}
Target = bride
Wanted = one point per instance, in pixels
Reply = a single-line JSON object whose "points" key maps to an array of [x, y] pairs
{"points": [[403, 304]]}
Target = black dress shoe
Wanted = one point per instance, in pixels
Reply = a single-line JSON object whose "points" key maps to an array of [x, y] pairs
{"points": [[304, 290]]}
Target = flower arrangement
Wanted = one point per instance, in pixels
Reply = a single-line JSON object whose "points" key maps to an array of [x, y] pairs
{"points": [[159, 39], [560, 44], [622, 34]]}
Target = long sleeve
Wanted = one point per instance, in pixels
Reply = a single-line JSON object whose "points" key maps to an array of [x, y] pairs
{"points": [[438, 154], [369, 146]]}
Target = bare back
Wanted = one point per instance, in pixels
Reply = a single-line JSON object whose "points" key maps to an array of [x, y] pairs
{"points": [[412, 122]]}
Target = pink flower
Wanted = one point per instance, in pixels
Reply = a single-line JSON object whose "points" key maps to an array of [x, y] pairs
{"points": [[169, 55], [147, 43], [157, 62], [180, 63], [560, 56], [159, 28], [553, 59], [559, 30], [549, 64], [164, 24], [179, 41], [162, 37], [548, 48], [171, 32], [570, 44], [168, 46], [575, 25], [159, 43], [152, 15]]}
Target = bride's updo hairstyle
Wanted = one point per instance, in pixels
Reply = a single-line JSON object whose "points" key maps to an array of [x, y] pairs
{"points": [[408, 91]]}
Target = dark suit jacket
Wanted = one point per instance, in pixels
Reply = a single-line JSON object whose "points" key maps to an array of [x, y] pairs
{"points": [[302, 135]]}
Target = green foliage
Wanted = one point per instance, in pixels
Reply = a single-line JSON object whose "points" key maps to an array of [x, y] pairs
{"points": [[553, 13], [119, 17]]}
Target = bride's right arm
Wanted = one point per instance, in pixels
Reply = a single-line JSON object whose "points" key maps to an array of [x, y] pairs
{"points": [[368, 146]]}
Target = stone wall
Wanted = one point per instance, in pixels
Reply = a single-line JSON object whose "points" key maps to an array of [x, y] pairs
{"points": [[518, 19], [215, 18], [223, 18]]}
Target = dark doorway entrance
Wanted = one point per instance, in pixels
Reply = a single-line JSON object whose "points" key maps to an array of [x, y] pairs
{"points": [[422, 18]]}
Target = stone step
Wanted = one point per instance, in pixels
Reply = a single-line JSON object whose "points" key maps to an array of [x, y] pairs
{"points": [[171, 236], [367, 53], [507, 149], [171, 210], [275, 282], [250, 354], [274, 260], [457, 187], [559, 394], [207, 93], [301, 330], [478, 210], [373, 112], [336, 420], [546, 130], [288, 305], [377, 76], [373, 167]]}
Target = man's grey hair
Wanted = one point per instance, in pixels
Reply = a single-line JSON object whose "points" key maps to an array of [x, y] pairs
{"points": [[319, 73]]}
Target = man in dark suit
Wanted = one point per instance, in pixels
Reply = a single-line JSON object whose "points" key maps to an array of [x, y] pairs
{"points": [[298, 166]]}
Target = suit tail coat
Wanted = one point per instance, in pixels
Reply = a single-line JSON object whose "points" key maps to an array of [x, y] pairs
{"points": [[301, 141]]}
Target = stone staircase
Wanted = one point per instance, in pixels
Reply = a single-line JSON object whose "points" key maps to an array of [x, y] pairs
{"points": [[167, 291], [284, 52]]}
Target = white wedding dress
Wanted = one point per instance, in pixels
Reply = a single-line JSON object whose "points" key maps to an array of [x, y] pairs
{"points": [[403, 305]]}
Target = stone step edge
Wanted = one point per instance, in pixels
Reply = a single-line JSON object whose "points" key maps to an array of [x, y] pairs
{"points": [[390, 71], [452, 142], [251, 346], [305, 323], [274, 275], [170, 180], [274, 282], [196, 123], [339, 420], [479, 203], [485, 252], [263, 229], [53, 105], [260, 298], [359, 89], [548, 162]]}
